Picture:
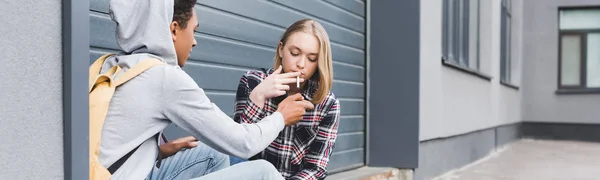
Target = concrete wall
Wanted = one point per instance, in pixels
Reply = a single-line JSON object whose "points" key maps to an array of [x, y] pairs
{"points": [[31, 90], [454, 102], [540, 103]]}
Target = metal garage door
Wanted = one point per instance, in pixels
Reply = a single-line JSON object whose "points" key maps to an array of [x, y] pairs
{"points": [[239, 35]]}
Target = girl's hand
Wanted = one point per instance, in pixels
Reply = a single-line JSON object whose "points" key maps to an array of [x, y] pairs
{"points": [[274, 85]]}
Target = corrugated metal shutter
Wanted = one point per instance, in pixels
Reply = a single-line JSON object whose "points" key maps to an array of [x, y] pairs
{"points": [[239, 35]]}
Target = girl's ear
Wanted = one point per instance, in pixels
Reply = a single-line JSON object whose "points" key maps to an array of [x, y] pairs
{"points": [[280, 49]]}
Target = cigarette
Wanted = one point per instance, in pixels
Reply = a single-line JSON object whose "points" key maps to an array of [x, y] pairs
{"points": [[298, 81]]}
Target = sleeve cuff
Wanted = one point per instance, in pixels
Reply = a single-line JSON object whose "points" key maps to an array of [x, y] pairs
{"points": [[278, 117], [252, 110]]}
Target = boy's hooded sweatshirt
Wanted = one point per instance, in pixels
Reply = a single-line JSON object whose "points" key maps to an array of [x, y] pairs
{"points": [[145, 105]]}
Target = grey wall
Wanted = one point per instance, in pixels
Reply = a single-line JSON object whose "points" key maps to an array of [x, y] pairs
{"points": [[442, 155], [464, 117], [239, 35], [438, 156], [394, 83], [453, 102], [540, 103], [31, 110]]}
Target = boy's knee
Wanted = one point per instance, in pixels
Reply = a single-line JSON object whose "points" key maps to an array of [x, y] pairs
{"points": [[221, 159], [263, 164], [267, 168]]}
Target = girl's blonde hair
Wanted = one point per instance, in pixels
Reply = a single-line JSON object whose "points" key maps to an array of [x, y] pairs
{"points": [[324, 73]]}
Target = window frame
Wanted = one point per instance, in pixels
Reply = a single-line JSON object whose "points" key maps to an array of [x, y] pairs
{"points": [[583, 35], [582, 59], [456, 36], [456, 27], [506, 22]]}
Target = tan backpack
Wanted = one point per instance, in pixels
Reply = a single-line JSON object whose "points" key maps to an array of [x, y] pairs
{"points": [[102, 87]]}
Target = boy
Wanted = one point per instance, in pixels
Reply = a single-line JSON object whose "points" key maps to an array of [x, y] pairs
{"points": [[141, 108]]}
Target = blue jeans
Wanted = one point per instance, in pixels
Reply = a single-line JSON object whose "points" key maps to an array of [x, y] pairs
{"points": [[235, 160], [203, 162]]}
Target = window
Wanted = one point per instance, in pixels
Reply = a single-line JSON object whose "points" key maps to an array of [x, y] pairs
{"points": [[505, 42], [579, 49], [461, 33]]}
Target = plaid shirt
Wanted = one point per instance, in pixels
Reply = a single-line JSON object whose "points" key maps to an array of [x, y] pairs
{"points": [[300, 151]]}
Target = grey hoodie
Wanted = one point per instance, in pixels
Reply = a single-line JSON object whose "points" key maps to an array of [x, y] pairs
{"points": [[164, 94]]}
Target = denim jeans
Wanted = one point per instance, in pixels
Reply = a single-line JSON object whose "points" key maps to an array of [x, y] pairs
{"points": [[203, 162], [235, 160]]}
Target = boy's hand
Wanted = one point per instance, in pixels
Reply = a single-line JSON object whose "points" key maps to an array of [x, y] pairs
{"points": [[172, 147], [293, 109]]}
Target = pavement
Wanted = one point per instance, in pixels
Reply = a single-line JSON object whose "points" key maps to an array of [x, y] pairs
{"points": [[535, 159]]}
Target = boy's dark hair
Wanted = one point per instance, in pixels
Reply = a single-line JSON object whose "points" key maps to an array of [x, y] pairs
{"points": [[183, 11]]}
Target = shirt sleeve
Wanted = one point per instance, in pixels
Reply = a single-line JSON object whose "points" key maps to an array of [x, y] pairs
{"points": [[245, 110], [186, 105]]}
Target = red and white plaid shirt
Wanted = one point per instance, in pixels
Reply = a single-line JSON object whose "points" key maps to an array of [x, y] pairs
{"points": [[300, 151]]}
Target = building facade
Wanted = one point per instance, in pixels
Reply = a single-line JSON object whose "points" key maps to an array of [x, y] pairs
{"points": [[425, 85]]}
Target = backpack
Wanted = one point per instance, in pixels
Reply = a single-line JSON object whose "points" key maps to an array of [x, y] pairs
{"points": [[101, 89]]}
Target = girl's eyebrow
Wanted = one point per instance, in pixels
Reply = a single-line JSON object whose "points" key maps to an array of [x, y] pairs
{"points": [[295, 47]]}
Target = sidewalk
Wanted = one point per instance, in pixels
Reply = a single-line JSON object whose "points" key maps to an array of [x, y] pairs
{"points": [[535, 159]]}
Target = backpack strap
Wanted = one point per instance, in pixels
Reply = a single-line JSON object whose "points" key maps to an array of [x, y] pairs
{"points": [[136, 70], [97, 66], [114, 167], [126, 76], [105, 77]]}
